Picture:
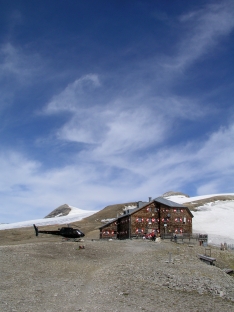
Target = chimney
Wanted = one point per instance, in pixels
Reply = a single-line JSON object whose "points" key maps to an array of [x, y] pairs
{"points": [[150, 198]]}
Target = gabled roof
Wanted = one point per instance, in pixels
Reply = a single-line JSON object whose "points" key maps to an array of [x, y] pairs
{"points": [[108, 223], [167, 202], [127, 213], [163, 201], [172, 204], [160, 200]]}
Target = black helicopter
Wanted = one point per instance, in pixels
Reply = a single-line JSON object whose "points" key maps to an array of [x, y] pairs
{"points": [[66, 232]]}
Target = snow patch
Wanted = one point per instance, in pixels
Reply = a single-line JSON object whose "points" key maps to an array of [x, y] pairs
{"points": [[74, 215], [107, 220], [129, 207], [180, 199]]}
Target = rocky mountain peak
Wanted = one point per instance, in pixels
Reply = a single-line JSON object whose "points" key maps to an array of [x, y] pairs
{"points": [[172, 193], [61, 211]]}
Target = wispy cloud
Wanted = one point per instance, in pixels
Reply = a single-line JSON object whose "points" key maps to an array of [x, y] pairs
{"points": [[18, 70], [133, 122], [71, 98], [16, 64], [205, 28], [90, 182]]}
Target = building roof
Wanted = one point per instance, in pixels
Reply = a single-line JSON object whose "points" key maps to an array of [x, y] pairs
{"points": [[167, 202], [108, 223], [172, 204], [163, 201]]}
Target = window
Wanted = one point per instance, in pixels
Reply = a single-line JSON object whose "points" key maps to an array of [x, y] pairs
{"points": [[124, 221], [151, 220], [139, 231], [139, 219]]}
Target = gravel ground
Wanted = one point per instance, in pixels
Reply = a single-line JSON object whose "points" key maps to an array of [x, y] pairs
{"points": [[129, 275]]}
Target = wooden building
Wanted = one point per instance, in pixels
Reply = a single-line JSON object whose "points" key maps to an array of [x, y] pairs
{"points": [[109, 230], [160, 216]]}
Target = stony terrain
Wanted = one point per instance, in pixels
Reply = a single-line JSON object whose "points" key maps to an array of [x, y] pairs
{"points": [[130, 275]]}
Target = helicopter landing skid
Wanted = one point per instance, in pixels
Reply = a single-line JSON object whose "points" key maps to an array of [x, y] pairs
{"points": [[71, 239]]}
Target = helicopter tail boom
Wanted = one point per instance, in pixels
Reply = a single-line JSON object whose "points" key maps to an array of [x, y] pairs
{"points": [[36, 229]]}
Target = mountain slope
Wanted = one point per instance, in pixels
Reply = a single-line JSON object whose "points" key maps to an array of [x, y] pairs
{"points": [[213, 215], [62, 215]]}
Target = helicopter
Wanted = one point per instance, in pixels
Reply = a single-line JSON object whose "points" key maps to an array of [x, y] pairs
{"points": [[66, 232]]}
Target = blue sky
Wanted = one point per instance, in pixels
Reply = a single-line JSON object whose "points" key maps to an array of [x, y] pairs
{"points": [[105, 102]]}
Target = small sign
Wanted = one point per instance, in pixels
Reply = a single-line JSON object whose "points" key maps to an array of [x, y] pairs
{"points": [[203, 237]]}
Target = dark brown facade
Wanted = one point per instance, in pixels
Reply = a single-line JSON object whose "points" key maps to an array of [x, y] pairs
{"points": [[109, 230], [160, 216]]}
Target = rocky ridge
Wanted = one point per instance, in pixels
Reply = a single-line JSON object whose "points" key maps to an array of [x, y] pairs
{"points": [[61, 211]]}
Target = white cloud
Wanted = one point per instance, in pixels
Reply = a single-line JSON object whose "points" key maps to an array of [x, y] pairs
{"points": [[121, 125], [131, 130], [218, 151], [87, 125], [70, 99], [18, 69], [208, 188], [197, 162], [205, 28], [180, 107], [90, 182], [17, 64], [16, 170]]}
